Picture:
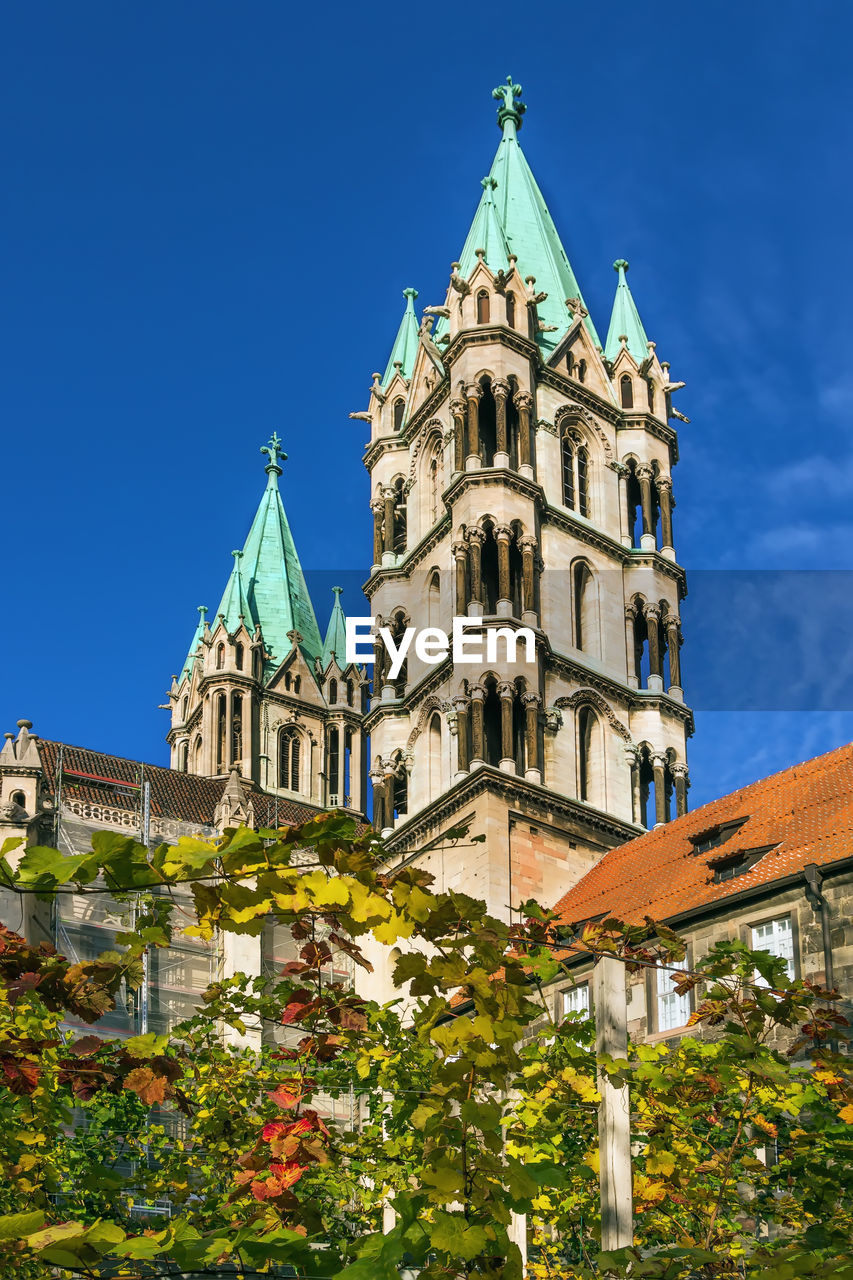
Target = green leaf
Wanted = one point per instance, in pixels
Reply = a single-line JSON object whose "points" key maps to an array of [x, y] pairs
{"points": [[14, 1226]]}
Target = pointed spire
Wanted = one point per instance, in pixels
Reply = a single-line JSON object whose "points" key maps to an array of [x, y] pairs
{"points": [[187, 668], [335, 644], [526, 227], [405, 345], [234, 607], [273, 451], [625, 321]]}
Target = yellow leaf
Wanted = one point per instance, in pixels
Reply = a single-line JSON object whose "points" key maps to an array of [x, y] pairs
{"points": [[846, 1113], [660, 1162]]}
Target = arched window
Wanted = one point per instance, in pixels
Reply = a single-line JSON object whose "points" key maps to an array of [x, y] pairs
{"points": [[236, 728], [510, 309], [435, 478], [589, 763], [238, 657], [398, 411], [399, 516], [434, 757], [183, 753], [400, 789], [492, 728], [350, 693], [184, 706], [655, 790], [288, 759], [257, 664], [333, 763], [582, 370], [220, 656], [287, 681], [586, 631], [221, 722], [333, 690], [570, 363], [346, 798], [297, 683], [651, 390], [568, 473], [488, 424], [399, 624], [483, 307], [19, 799], [583, 481], [626, 388], [434, 601], [197, 754]]}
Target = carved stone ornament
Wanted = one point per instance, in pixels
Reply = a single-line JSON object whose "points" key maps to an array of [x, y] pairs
{"points": [[576, 410], [589, 697], [553, 719]]}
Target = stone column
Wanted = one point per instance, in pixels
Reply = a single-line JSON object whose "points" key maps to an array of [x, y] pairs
{"points": [[503, 537], [665, 499], [460, 557], [389, 499], [377, 508], [377, 777], [647, 539], [673, 639], [507, 697], [478, 745], [682, 782], [500, 390], [473, 461], [652, 615], [527, 546], [659, 763], [380, 659], [532, 772], [457, 408], [633, 669], [633, 759], [460, 704], [523, 402], [476, 538], [228, 744], [624, 515]]}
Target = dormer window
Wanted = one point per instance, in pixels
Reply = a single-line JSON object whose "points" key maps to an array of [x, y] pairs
{"points": [[483, 307], [714, 837], [398, 410], [626, 387], [510, 310], [736, 862]]}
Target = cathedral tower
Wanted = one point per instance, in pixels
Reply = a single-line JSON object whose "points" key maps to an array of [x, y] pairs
{"points": [[521, 476], [260, 691]]}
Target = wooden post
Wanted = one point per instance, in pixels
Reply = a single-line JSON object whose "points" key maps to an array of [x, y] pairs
{"points": [[614, 1115]]}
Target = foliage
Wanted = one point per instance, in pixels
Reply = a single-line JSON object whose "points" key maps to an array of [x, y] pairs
{"points": [[462, 1102]]}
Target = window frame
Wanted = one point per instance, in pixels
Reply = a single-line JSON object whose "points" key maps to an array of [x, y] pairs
{"points": [[771, 917], [654, 994]]}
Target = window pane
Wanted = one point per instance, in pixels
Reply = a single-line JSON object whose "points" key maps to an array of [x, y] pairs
{"points": [[576, 999], [777, 937], [673, 1009]]}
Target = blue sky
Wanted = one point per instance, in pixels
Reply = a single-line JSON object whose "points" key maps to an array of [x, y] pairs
{"points": [[210, 213]]}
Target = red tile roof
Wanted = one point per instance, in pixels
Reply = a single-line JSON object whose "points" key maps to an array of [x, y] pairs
{"points": [[805, 815], [99, 778]]}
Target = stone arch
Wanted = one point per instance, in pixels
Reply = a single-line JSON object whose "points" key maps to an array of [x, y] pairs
{"points": [[430, 705], [431, 428], [574, 412], [594, 699]]}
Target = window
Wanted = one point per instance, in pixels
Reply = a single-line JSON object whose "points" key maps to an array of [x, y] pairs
{"points": [[399, 407], [333, 690], [350, 693], [297, 681], [183, 751], [482, 307], [238, 657], [777, 937], [568, 474], [572, 1000], [184, 705], [399, 516], [236, 728], [220, 656], [626, 387], [713, 837], [651, 389], [288, 759], [510, 310], [583, 482], [221, 722], [20, 799], [673, 1010], [587, 727], [570, 363], [333, 764], [582, 370]]}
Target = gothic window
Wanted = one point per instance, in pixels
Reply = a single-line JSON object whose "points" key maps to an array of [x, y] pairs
{"points": [[398, 410], [582, 371], [288, 759], [197, 754], [434, 757], [399, 623], [568, 453], [184, 705], [483, 307], [588, 765], [257, 664], [492, 730], [221, 721], [489, 571], [346, 798], [626, 388], [434, 601], [510, 310], [236, 728], [634, 498], [583, 481], [488, 425], [651, 390], [400, 791], [183, 752], [399, 516], [350, 693], [519, 736], [436, 481], [220, 656], [512, 426], [287, 681], [238, 657], [297, 681], [584, 611], [654, 807], [333, 690], [333, 764], [570, 363]]}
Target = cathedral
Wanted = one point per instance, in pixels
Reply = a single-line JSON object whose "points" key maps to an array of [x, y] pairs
{"points": [[521, 478]]}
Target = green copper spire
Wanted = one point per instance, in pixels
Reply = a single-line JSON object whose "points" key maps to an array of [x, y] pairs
{"points": [[234, 606], [526, 228], [187, 668], [625, 321], [406, 343], [335, 644]]}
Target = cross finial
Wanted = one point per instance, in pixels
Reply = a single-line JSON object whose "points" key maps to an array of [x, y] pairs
{"points": [[274, 451], [512, 108]]}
